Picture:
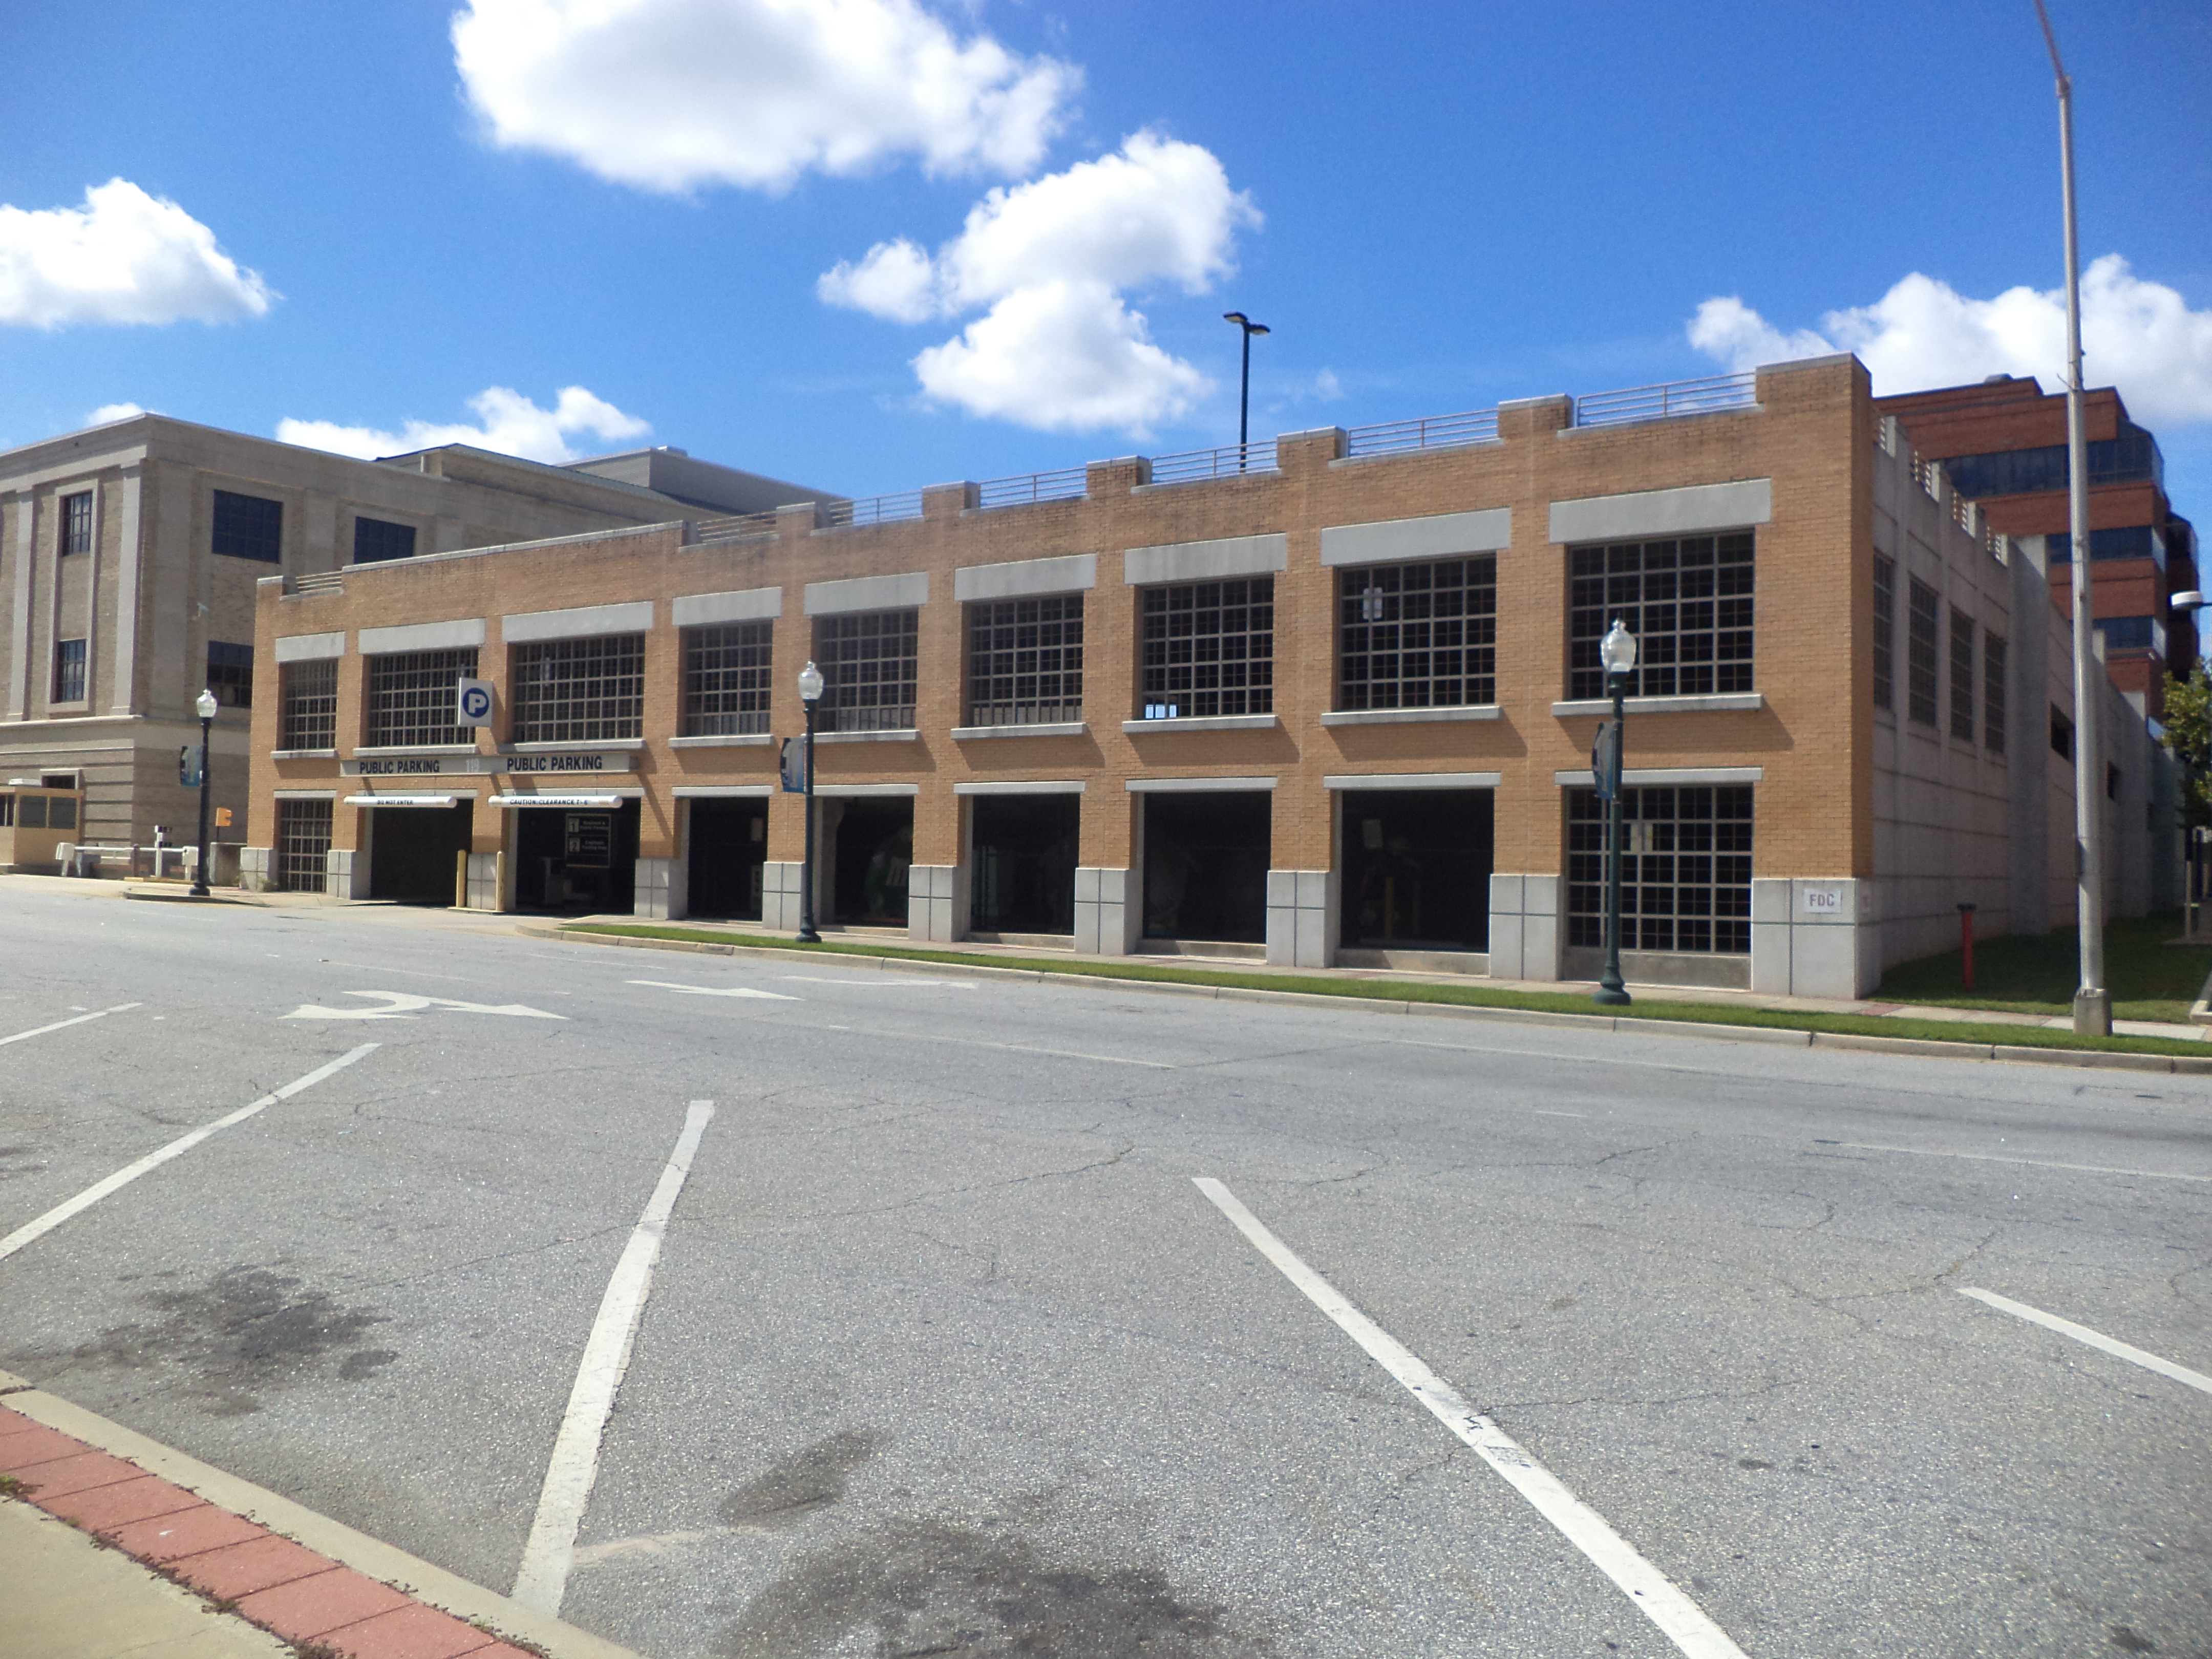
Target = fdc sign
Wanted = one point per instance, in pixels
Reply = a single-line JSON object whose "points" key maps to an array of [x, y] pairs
{"points": [[472, 704]]}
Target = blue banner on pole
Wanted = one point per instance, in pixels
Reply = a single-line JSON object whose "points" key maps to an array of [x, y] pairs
{"points": [[795, 766], [1605, 759]]}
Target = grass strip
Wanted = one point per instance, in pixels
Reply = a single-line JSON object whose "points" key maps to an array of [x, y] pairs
{"points": [[2036, 973], [1474, 996]]}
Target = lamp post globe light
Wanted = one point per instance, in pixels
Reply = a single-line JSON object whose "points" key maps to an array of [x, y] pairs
{"points": [[1244, 391], [810, 694], [206, 704], [1617, 651]]}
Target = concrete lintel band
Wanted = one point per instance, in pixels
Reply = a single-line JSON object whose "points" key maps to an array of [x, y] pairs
{"points": [[1413, 780], [1664, 512], [723, 791], [583, 622], [1666, 775], [859, 791], [1195, 786], [1438, 537], [1076, 573], [1206, 562], [748, 604], [421, 636], [304, 794], [311, 648], [1000, 786], [909, 592]]}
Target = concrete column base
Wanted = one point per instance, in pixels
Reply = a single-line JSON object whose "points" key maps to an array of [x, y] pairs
{"points": [[1109, 911], [345, 872], [1302, 918], [1528, 926], [253, 867], [1815, 937], [779, 894], [936, 902], [484, 881], [657, 889]]}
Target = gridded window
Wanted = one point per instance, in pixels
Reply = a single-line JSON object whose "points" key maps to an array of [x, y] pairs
{"points": [[248, 527], [1418, 635], [77, 523], [1962, 675], [1920, 653], [412, 696], [230, 673], [303, 838], [1210, 649], [579, 690], [726, 671], [1684, 877], [1025, 661], [1993, 693], [869, 663], [377, 539], [310, 705], [1885, 632], [69, 671], [2062, 735], [1688, 603]]}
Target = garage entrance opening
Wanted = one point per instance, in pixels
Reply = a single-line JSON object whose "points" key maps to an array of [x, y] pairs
{"points": [[576, 860], [412, 851], [1416, 867], [1022, 876], [728, 847], [870, 847], [1205, 865]]}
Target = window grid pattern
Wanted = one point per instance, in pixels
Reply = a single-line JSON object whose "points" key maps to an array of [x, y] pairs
{"points": [[303, 840], [310, 714], [870, 663], [1885, 632], [1962, 676], [725, 679], [375, 540], [1687, 601], [579, 690], [1209, 649], [1025, 661], [248, 527], [1920, 653], [1993, 692], [412, 696], [230, 673], [1685, 879], [77, 523], [70, 670], [1432, 639]]}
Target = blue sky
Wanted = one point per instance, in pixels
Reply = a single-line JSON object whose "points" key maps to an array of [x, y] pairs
{"points": [[1434, 207]]}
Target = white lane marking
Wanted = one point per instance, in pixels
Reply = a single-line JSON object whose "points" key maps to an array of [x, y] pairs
{"points": [[543, 1579], [899, 982], [397, 972], [714, 990], [61, 1024], [402, 1005], [2111, 1346], [183, 1144], [1024, 1049], [2031, 1163], [1681, 1619]]}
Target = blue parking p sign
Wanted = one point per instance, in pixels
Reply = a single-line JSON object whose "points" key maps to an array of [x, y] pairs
{"points": [[472, 705]]}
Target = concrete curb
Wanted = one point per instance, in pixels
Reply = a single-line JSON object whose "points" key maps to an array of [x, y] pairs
{"points": [[1772, 1035], [371, 1558]]}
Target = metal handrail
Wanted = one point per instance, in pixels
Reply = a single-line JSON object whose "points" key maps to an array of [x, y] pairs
{"points": [[875, 509], [1478, 426], [1069, 484], [1229, 461], [1668, 401]]}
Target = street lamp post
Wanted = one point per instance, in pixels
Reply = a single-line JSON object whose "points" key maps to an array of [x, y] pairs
{"points": [[810, 693], [1244, 391], [206, 704], [1617, 651]]}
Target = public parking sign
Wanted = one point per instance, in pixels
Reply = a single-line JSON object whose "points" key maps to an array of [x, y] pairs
{"points": [[472, 703]]}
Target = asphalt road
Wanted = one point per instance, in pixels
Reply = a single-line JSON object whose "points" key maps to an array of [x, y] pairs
{"points": [[947, 1352]]}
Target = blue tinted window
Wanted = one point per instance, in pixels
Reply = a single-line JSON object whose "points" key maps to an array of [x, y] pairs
{"points": [[2130, 457], [2136, 541], [2127, 633]]}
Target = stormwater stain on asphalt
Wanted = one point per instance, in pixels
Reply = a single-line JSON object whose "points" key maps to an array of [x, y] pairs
{"points": [[922, 1588], [245, 1333], [802, 1482]]}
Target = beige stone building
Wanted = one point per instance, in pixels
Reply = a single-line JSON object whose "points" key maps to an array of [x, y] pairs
{"points": [[1329, 700]]}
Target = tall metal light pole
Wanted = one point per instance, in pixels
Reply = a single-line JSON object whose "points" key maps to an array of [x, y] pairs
{"points": [[1245, 393], [2093, 1000], [810, 693], [206, 704], [1617, 651]]}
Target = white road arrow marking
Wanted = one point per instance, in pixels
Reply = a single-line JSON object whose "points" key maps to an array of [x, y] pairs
{"points": [[714, 990], [402, 1005]]}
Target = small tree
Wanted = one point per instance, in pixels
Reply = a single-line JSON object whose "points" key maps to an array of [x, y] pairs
{"points": [[2189, 735]]}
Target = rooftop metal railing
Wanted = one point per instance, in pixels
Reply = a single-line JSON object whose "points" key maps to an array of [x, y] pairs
{"points": [[875, 509], [1069, 484], [1668, 401], [1478, 426], [1229, 461]]}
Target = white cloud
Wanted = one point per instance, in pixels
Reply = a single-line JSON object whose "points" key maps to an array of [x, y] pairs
{"points": [[2139, 336], [108, 414], [124, 256], [671, 94], [509, 424], [1059, 348], [1327, 387]]}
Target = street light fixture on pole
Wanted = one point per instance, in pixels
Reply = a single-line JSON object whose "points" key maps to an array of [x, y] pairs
{"points": [[1244, 392], [2093, 1000], [1617, 651], [206, 704], [810, 693]]}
